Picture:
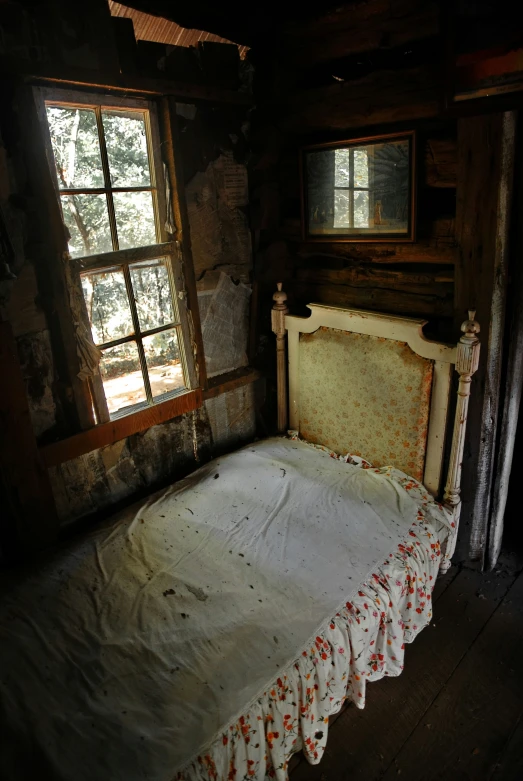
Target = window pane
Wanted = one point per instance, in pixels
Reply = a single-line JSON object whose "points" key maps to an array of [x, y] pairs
{"points": [[163, 362], [361, 209], [341, 167], [74, 137], [341, 209], [88, 223], [126, 143], [107, 305], [122, 376], [152, 293], [134, 219], [361, 168]]}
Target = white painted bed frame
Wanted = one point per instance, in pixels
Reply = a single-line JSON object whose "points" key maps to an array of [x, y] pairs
{"points": [[464, 357]]}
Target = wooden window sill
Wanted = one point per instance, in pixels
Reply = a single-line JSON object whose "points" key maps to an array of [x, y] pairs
{"points": [[119, 428], [108, 433]]}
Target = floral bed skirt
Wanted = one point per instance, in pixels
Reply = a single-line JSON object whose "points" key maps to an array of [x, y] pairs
{"points": [[363, 641]]}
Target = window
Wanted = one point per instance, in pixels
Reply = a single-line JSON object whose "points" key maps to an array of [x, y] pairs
{"points": [[108, 177], [351, 188]]}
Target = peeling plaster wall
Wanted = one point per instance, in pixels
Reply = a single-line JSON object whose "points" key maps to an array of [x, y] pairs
{"points": [[213, 149], [220, 236], [20, 302], [224, 315], [232, 417], [215, 155], [97, 480], [36, 361]]}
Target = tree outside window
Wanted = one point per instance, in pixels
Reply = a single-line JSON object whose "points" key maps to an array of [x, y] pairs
{"points": [[107, 181]]}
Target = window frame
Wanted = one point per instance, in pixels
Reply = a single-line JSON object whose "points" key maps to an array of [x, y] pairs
{"points": [[409, 237], [167, 248]]}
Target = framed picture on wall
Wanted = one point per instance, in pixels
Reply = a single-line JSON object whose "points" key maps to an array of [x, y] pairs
{"points": [[359, 190]]}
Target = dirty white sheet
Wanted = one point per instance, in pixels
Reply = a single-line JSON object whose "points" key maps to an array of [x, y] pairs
{"points": [[135, 649]]}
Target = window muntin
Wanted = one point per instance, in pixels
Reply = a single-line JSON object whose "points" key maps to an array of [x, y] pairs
{"points": [[132, 318], [107, 184], [102, 163]]}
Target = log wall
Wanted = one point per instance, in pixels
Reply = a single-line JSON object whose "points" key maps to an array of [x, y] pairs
{"points": [[364, 70]]}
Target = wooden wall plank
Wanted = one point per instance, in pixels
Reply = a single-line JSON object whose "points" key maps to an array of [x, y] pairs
{"points": [[485, 171], [361, 27], [223, 383], [386, 300], [422, 282], [128, 84], [441, 162], [433, 252], [513, 382], [382, 97], [30, 500], [108, 433]]}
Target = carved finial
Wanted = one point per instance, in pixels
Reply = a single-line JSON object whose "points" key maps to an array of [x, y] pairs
{"points": [[280, 297], [471, 326]]}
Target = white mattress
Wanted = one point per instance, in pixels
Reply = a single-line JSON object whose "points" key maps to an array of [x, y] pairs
{"points": [[134, 649]]}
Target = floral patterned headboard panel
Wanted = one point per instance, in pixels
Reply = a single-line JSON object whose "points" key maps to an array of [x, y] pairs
{"points": [[366, 395]]}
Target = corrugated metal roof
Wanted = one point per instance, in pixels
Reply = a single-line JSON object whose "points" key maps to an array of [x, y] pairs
{"points": [[153, 28]]}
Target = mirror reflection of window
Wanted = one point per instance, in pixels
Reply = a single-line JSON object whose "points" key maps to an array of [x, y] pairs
{"points": [[351, 188], [359, 189]]}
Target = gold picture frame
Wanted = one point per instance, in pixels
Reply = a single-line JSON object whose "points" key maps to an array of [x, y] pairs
{"points": [[360, 190]]}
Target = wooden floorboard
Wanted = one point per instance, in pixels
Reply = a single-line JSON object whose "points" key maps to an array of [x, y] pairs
{"points": [[365, 744], [474, 715], [509, 766]]}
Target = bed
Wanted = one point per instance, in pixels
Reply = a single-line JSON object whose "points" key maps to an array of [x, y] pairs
{"points": [[210, 632]]}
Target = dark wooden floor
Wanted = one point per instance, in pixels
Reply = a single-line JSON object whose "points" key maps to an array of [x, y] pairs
{"points": [[456, 711]]}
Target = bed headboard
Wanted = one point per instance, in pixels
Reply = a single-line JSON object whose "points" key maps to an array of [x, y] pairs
{"points": [[371, 384]]}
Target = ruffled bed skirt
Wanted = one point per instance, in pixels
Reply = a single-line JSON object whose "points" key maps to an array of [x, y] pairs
{"points": [[364, 641]]}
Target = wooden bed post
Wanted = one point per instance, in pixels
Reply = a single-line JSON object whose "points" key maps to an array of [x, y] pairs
{"points": [[279, 310], [467, 359]]}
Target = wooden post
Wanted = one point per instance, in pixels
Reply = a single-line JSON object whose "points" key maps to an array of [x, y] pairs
{"points": [[486, 148], [183, 238], [279, 310], [28, 520], [467, 360]]}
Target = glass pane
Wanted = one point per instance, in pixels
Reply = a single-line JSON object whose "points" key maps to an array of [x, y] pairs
{"points": [[163, 362], [122, 376], [361, 209], [342, 167], [341, 209], [152, 293], [88, 224], [126, 143], [107, 305], [361, 168], [134, 219], [74, 137]]}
